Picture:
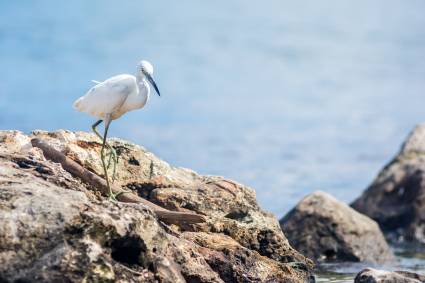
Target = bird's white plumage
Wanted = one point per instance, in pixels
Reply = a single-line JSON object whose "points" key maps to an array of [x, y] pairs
{"points": [[110, 99], [115, 96]]}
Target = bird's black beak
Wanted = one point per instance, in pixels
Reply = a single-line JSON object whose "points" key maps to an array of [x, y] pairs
{"points": [[150, 79]]}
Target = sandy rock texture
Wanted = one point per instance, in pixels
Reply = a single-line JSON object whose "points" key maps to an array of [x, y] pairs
{"points": [[396, 198], [370, 275], [54, 228], [325, 229]]}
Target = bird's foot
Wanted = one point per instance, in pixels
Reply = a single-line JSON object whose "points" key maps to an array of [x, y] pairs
{"points": [[113, 197]]}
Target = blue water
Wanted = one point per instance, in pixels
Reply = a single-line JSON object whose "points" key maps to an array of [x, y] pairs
{"points": [[286, 96]]}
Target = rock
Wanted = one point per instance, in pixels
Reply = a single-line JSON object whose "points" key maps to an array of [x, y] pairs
{"points": [[54, 228], [326, 229], [236, 263], [370, 275], [395, 199]]}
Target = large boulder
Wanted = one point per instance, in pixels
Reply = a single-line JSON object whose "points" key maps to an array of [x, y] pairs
{"points": [[54, 228], [396, 198], [325, 229], [370, 275]]}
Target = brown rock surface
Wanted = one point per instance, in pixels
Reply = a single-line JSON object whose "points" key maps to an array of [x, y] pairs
{"points": [[326, 229], [370, 275], [56, 229], [396, 198]]}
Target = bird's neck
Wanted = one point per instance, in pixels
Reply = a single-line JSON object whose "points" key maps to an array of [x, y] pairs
{"points": [[140, 78], [141, 81], [143, 85]]}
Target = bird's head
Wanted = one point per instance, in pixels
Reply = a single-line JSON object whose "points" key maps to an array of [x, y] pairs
{"points": [[146, 70]]}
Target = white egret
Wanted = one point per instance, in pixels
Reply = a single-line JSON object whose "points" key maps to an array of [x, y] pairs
{"points": [[110, 99]]}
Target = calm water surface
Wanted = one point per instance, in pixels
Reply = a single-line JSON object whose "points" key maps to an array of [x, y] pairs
{"points": [[286, 96]]}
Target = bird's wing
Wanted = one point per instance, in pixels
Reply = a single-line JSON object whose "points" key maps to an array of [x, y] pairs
{"points": [[106, 97]]}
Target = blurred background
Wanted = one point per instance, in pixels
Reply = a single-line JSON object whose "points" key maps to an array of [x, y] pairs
{"points": [[287, 97]]}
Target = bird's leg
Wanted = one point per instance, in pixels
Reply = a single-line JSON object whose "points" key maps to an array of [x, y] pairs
{"points": [[102, 155], [112, 196], [112, 153], [93, 127], [113, 156], [112, 150]]}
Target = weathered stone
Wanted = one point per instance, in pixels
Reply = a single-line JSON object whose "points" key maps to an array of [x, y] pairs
{"points": [[56, 229], [396, 199], [326, 229], [236, 263], [370, 275], [231, 206]]}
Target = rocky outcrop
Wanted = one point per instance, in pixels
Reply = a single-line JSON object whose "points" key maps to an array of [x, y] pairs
{"points": [[54, 228], [396, 198], [370, 275], [326, 229]]}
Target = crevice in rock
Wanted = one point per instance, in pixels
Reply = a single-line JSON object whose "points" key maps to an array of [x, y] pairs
{"points": [[266, 242], [329, 254], [190, 206], [239, 215], [134, 161], [128, 250], [26, 163], [144, 190]]}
